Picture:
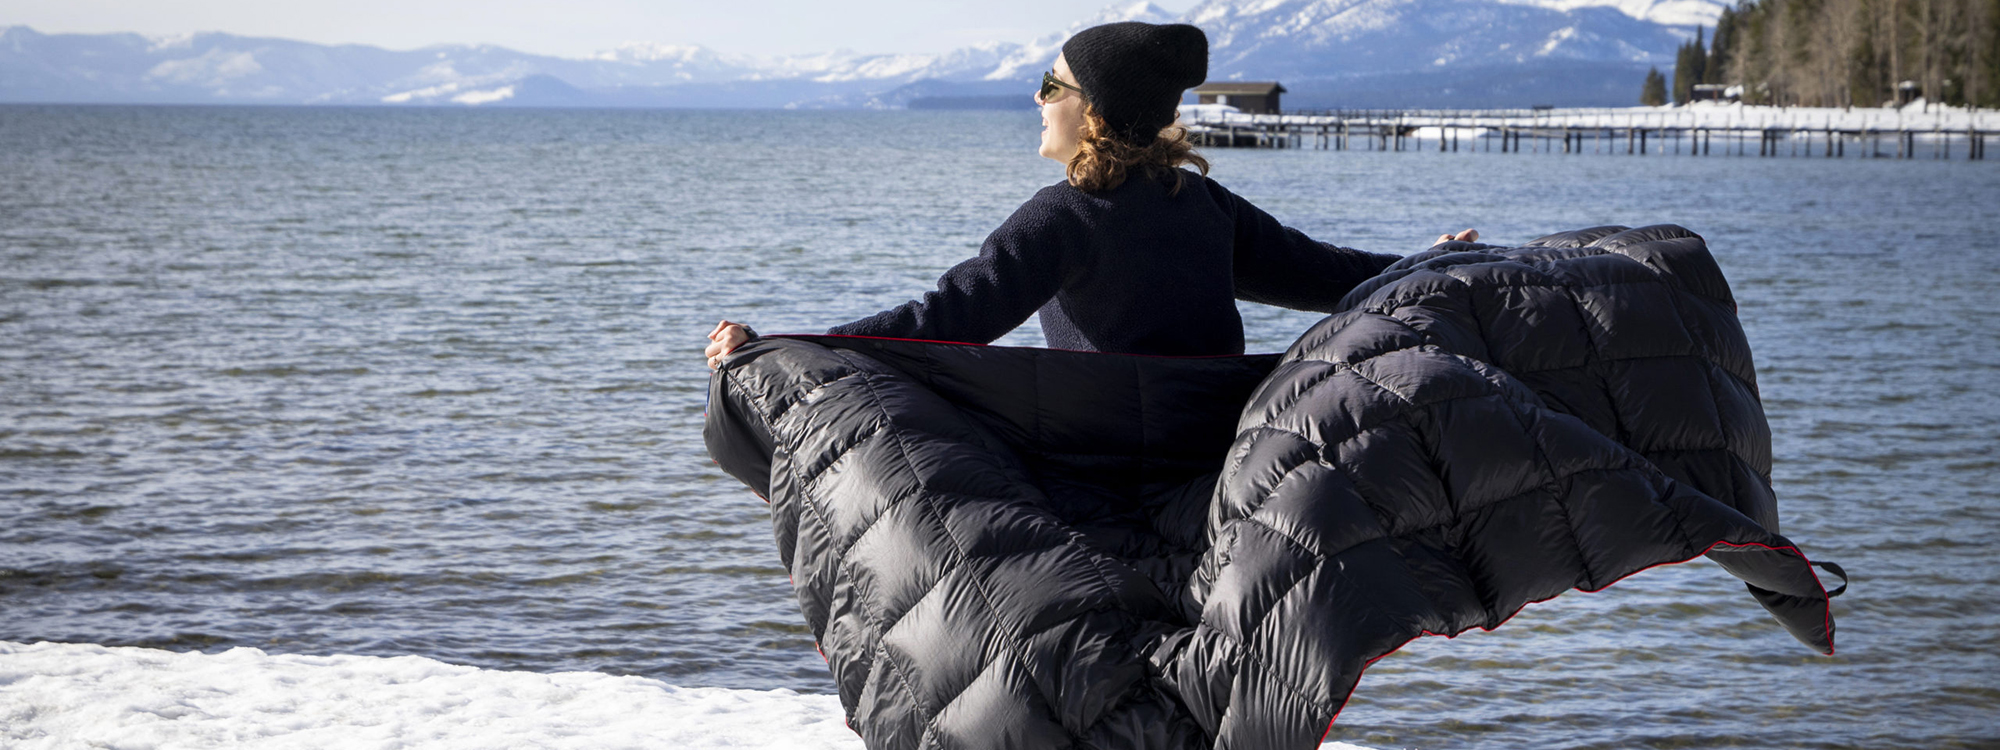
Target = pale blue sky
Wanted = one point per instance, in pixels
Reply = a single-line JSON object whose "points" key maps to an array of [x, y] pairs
{"points": [[575, 28]]}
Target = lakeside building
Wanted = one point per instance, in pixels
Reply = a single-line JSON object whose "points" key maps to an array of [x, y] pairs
{"points": [[1251, 97], [1715, 92]]}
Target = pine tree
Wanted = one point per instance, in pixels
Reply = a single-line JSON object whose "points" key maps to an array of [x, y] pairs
{"points": [[1720, 49], [1684, 75], [1864, 74], [1987, 59], [1689, 67], [1700, 57], [1753, 53], [1654, 92], [1831, 53]]}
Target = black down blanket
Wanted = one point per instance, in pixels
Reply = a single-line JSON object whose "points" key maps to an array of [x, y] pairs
{"points": [[1026, 548]]}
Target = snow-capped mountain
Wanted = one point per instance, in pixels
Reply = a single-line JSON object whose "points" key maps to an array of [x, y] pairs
{"points": [[1322, 38], [1669, 12], [1029, 60], [1326, 51]]}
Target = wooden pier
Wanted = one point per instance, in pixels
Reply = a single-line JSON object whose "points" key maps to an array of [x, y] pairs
{"points": [[1775, 132]]}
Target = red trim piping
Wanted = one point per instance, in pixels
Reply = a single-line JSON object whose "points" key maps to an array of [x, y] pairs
{"points": [[1828, 626], [878, 338], [1035, 348]]}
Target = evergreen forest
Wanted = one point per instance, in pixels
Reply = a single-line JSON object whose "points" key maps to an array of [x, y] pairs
{"points": [[1849, 53]]}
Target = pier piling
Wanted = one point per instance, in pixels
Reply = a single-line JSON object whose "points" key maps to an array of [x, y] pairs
{"points": [[1778, 131]]}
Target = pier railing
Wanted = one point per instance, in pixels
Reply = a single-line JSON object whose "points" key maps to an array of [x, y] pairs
{"points": [[1695, 130]]}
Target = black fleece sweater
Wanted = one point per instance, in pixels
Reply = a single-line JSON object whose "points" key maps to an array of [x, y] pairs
{"points": [[1131, 270]]}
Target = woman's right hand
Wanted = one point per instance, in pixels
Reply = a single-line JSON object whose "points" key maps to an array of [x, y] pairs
{"points": [[724, 339], [1461, 237]]}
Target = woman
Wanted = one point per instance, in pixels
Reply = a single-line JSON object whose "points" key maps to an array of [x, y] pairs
{"points": [[1131, 253]]}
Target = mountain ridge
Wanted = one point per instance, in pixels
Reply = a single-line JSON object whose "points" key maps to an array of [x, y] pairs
{"points": [[1326, 49]]}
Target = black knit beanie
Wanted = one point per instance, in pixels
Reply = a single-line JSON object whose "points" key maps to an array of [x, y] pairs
{"points": [[1133, 73]]}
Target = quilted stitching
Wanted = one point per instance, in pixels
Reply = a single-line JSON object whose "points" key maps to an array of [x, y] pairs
{"points": [[1481, 428]]}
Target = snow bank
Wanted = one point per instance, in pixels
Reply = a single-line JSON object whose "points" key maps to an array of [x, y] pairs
{"points": [[62, 695], [56, 695]]}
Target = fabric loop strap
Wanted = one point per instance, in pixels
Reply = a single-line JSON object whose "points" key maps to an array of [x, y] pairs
{"points": [[1835, 569]]}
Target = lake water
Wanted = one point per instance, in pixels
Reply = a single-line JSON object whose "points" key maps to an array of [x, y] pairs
{"points": [[386, 382]]}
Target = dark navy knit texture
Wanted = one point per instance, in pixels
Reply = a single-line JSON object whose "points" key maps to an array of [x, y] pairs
{"points": [[1134, 270]]}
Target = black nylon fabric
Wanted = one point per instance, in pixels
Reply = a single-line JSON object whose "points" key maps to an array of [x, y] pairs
{"points": [[1026, 548]]}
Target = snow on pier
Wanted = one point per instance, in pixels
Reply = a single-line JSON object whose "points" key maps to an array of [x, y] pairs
{"points": [[1704, 129]]}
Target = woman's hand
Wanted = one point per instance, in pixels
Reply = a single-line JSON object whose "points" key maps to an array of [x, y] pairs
{"points": [[1469, 235], [724, 339]]}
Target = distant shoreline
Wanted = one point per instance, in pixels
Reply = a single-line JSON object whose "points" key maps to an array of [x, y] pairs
{"points": [[1706, 111]]}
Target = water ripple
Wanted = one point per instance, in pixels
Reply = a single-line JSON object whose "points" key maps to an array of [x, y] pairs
{"points": [[425, 381]]}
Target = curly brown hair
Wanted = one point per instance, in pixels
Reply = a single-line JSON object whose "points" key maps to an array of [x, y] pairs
{"points": [[1103, 160]]}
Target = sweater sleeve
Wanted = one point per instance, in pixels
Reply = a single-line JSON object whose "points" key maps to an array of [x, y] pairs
{"points": [[1018, 269], [1278, 265]]}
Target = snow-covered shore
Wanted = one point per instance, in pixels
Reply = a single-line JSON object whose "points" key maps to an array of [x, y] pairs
{"points": [[62, 695], [59, 695]]}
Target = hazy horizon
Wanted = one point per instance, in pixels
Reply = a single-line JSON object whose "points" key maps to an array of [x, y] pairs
{"points": [[765, 28]]}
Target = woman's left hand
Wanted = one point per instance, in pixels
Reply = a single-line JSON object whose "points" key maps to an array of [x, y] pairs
{"points": [[724, 339]]}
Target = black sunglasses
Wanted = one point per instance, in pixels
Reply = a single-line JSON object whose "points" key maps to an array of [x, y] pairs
{"points": [[1051, 85]]}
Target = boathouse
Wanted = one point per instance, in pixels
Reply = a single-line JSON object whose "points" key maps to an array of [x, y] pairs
{"points": [[1252, 97], [1907, 92], [1714, 92]]}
